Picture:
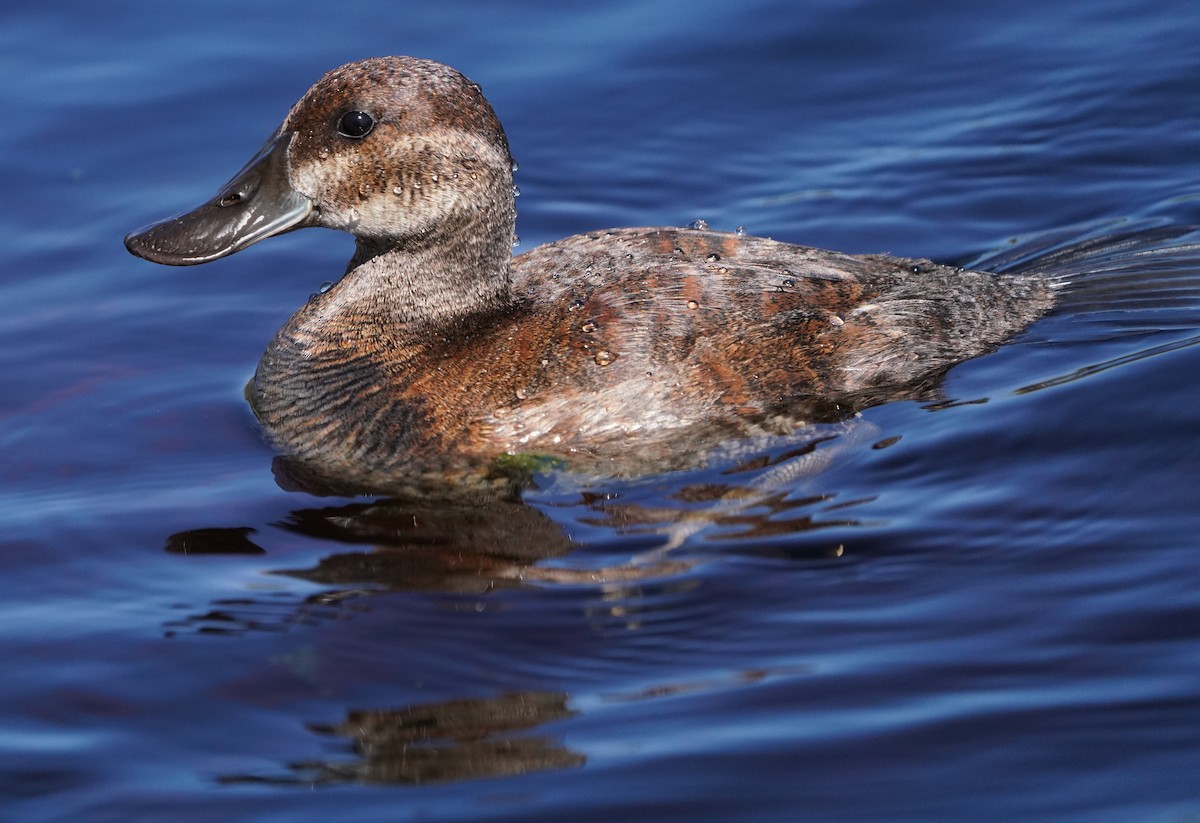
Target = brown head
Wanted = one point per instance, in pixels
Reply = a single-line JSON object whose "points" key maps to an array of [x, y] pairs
{"points": [[399, 151]]}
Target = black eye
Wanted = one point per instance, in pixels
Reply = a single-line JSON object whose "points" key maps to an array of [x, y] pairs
{"points": [[355, 124]]}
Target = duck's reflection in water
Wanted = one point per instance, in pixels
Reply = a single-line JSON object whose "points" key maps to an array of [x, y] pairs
{"points": [[468, 548], [438, 743], [622, 536], [622, 544]]}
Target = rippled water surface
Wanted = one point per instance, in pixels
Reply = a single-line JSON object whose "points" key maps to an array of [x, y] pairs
{"points": [[984, 606]]}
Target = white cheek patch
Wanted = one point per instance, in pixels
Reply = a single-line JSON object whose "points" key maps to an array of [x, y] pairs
{"points": [[317, 180], [419, 182]]}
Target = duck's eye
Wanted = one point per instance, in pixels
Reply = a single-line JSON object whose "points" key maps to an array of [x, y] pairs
{"points": [[355, 124]]}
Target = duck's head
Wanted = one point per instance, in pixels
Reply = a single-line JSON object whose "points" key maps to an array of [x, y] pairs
{"points": [[401, 152]]}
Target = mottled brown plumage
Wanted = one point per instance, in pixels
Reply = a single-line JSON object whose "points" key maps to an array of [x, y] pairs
{"points": [[618, 352]]}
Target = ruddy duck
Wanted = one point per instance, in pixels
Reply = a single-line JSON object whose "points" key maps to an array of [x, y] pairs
{"points": [[439, 357]]}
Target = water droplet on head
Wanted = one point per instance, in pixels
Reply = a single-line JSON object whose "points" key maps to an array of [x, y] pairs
{"points": [[836, 321], [515, 164], [397, 190], [516, 190], [713, 258], [520, 394], [323, 152], [740, 231], [692, 304], [789, 282], [433, 177], [700, 225], [604, 357], [516, 240], [575, 305], [588, 327]]}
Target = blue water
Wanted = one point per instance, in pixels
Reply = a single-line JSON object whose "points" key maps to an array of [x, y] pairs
{"points": [[980, 608]]}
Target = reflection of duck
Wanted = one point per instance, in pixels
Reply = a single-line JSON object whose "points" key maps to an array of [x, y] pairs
{"points": [[440, 742], [439, 357], [493, 543]]}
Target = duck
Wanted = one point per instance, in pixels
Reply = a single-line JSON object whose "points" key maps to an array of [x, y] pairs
{"points": [[440, 359]]}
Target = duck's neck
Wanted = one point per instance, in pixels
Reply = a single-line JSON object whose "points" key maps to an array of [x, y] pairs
{"points": [[324, 376], [429, 281]]}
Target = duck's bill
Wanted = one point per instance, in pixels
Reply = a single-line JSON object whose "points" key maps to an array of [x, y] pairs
{"points": [[259, 202]]}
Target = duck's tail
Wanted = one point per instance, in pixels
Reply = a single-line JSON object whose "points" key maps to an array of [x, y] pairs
{"points": [[1113, 266]]}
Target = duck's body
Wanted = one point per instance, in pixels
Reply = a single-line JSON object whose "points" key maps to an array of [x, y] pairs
{"points": [[621, 351]]}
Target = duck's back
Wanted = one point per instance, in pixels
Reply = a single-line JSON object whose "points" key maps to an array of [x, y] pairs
{"points": [[751, 325]]}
